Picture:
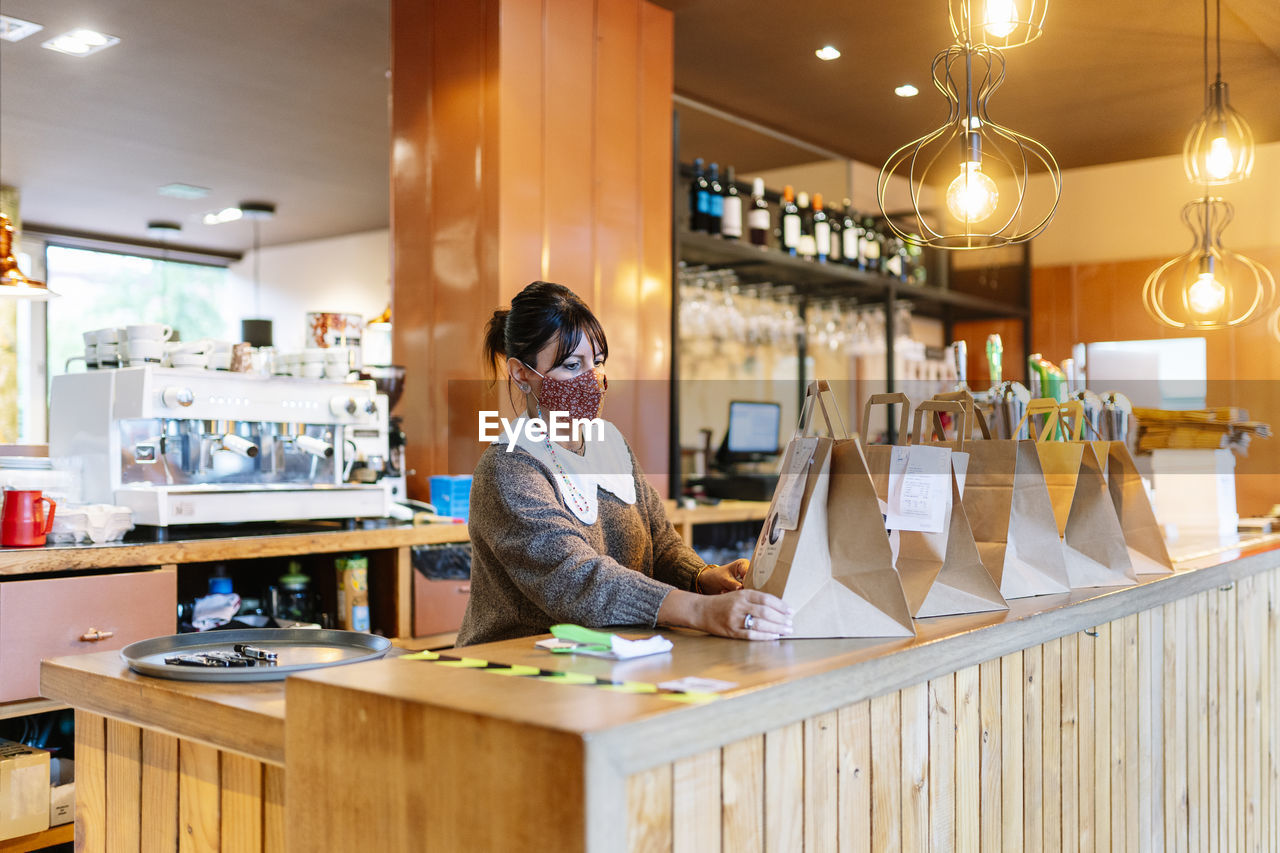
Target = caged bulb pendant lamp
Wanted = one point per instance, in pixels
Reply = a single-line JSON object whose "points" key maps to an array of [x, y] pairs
{"points": [[981, 168], [1003, 24], [1219, 148], [1209, 287]]}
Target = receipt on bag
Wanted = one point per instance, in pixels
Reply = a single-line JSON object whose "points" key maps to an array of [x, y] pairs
{"points": [[791, 480], [919, 488]]}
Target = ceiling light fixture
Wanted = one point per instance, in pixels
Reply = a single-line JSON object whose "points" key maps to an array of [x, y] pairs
{"points": [[81, 42], [827, 53], [257, 212], [1003, 24], [1219, 147], [12, 282], [227, 214], [906, 90], [972, 157], [1209, 287], [16, 29], [183, 191]]}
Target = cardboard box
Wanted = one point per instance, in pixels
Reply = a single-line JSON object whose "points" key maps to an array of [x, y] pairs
{"points": [[62, 791], [353, 593], [24, 789]]}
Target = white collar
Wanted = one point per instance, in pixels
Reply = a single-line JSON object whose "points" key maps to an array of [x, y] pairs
{"points": [[603, 464]]}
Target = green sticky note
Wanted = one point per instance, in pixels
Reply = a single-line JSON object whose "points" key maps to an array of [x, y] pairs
{"points": [[632, 687], [421, 656], [517, 669], [578, 634], [570, 678], [466, 663]]}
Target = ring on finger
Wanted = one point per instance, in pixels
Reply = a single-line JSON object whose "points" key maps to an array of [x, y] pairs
{"points": [[748, 622]]}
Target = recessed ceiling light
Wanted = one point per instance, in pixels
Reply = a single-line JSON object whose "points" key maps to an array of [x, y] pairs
{"points": [[227, 214], [163, 227], [16, 29], [181, 190], [81, 42], [826, 54], [906, 90]]}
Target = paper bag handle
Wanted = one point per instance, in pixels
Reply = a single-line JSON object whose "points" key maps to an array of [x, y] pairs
{"points": [[937, 407], [975, 414], [885, 400], [1071, 413], [1046, 406], [820, 390]]}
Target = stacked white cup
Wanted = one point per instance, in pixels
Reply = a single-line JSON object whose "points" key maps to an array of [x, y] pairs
{"points": [[144, 343]]}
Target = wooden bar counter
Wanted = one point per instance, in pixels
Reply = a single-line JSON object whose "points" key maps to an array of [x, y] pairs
{"points": [[1143, 717]]}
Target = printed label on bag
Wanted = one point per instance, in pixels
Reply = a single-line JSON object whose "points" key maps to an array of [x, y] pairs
{"points": [[919, 488], [791, 480]]}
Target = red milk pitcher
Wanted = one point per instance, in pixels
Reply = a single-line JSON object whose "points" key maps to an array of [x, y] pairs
{"points": [[23, 522]]}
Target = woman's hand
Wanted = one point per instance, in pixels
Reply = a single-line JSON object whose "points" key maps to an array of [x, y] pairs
{"points": [[726, 615], [714, 579]]}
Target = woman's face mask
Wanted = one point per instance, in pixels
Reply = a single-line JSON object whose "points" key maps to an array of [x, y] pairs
{"points": [[580, 396]]}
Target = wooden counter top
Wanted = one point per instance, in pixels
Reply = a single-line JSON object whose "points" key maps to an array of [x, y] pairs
{"points": [[247, 718]]}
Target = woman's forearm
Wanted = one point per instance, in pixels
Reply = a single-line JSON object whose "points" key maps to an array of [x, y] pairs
{"points": [[680, 609]]}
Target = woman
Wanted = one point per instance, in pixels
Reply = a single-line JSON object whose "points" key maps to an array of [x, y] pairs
{"points": [[571, 531]]}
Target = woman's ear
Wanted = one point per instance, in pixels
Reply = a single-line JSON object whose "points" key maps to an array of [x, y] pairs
{"points": [[522, 375]]}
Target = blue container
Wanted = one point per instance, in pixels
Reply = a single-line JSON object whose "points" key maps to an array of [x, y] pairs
{"points": [[452, 495]]}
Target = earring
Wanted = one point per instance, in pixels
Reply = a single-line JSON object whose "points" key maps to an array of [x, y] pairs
{"points": [[524, 388]]}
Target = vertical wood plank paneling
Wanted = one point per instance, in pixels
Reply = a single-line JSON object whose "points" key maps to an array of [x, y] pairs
{"points": [[1194, 724], [649, 817], [1176, 770], [1265, 651], [1201, 721], [241, 803], [992, 787], [854, 778], [1133, 794], [159, 792], [1272, 716], [1169, 784], [273, 809], [783, 787], [1032, 753], [1051, 745], [1251, 695], [1102, 738], [1011, 764], [91, 783], [1119, 806], [1214, 722], [522, 214], [1070, 744], [695, 796], [943, 763], [1146, 734], [968, 760], [1233, 710], [124, 787], [1158, 733], [742, 786], [886, 773], [915, 767], [820, 783], [198, 801], [1087, 703]]}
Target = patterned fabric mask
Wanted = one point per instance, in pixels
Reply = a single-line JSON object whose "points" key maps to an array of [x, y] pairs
{"points": [[580, 396]]}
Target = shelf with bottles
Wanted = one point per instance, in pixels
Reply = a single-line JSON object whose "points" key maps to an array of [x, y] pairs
{"points": [[787, 238]]}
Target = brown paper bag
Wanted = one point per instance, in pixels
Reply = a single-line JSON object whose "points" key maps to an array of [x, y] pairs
{"points": [[1093, 543], [1142, 535], [942, 573], [823, 549], [1009, 512]]}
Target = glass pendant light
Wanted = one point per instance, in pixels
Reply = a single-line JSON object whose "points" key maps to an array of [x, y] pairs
{"points": [[981, 168], [1209, 287], [1219, 147], [12, 282], [998, 23]]}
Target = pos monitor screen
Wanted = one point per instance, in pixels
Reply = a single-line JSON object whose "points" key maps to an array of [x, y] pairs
{"points": [[753, 429]]}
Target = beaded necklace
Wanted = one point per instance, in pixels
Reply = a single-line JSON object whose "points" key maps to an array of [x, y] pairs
{"points": [[579, 500]]}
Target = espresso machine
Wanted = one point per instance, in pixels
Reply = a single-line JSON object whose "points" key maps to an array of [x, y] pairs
{"points": [[194, 446]]}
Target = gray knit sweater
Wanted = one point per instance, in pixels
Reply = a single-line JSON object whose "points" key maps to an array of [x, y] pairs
{"points": [[534, 564]]}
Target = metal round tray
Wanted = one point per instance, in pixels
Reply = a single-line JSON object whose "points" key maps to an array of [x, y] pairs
{"points": [[299, 649]]}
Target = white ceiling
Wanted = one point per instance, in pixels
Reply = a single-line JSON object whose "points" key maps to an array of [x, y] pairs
{"points": [[283, 101]]}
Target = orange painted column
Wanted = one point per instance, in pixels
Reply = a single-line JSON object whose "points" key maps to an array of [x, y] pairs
{"points": [[530, 140]]}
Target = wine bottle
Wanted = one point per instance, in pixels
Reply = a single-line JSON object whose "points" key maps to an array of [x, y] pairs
{"points": [[716, 207], [699, 198], [758, 221], [869, 246], [836, 221], [790, 220], [849, 237], [807, 246], [821, 230], [731, 216]]}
